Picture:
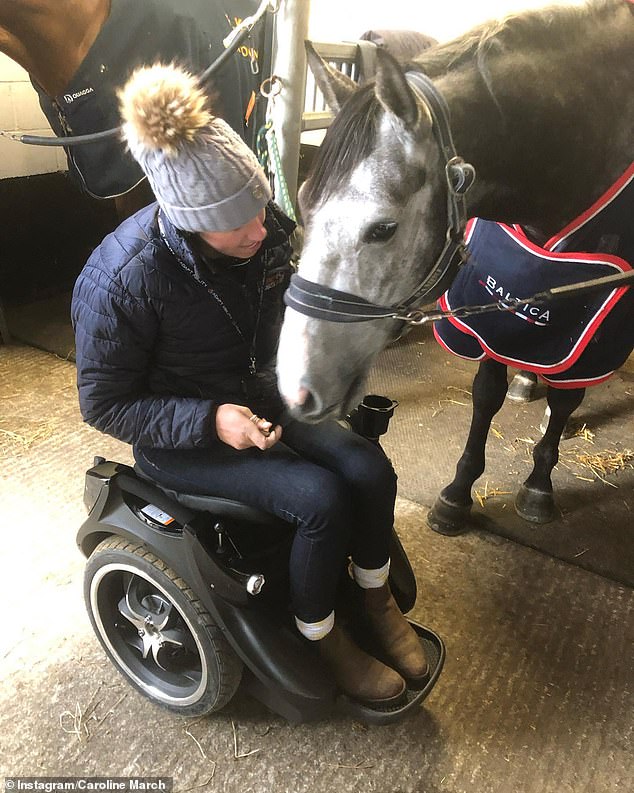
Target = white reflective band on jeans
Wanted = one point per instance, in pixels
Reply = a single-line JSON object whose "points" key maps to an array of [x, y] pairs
{"points": [[371, 579], [316, 630]]}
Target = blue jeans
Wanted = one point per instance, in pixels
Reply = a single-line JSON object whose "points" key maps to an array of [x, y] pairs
{"points": [[337, 488]]}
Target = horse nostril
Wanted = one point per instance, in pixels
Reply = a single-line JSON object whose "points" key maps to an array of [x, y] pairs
{"points": [[307, 406], [309, 403]]}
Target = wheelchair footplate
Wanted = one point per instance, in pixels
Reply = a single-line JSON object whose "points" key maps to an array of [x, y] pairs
{"points": [[435, 652]]}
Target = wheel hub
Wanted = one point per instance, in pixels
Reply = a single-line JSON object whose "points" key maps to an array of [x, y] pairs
{"points": [[155, 621]]}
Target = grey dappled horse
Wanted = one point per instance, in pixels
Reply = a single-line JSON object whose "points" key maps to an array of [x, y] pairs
{"points": [[542, 105]]}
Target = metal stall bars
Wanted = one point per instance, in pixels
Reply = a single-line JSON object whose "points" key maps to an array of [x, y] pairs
{"points": [[298, 111]]}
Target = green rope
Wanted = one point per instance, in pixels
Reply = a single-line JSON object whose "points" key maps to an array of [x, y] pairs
{"points": [[265, 154], [261, 146]]}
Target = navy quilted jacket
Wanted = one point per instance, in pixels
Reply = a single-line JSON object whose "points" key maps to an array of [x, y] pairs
{"points": [[156, 352]]}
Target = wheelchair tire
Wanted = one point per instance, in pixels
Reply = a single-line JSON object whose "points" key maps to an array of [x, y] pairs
{"points": [[156, 631]]}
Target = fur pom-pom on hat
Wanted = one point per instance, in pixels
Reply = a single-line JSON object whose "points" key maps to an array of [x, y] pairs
{"points": [[204, 176], [163, 107]]}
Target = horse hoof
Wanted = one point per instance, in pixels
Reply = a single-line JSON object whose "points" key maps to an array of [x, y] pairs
{"points": [[535, 506], [522, 388], [447, 518]]}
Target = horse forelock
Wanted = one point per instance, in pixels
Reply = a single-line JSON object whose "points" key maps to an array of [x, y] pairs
{"points": [[350, 139]]}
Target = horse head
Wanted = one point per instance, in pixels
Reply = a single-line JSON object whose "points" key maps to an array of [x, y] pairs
{"points": [[376, 219]]}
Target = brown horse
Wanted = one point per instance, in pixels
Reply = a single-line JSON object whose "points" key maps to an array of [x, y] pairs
{"points": [[50, 40], [78, 52]]}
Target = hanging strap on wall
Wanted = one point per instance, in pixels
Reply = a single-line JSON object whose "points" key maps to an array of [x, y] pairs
{"points": [[262, 148], [285, 199], [267, 149]]}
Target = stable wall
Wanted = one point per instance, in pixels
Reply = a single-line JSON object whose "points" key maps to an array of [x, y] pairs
{"points": [[48, 226], [20, 111]]}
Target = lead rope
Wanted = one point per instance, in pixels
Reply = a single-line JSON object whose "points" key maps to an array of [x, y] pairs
{"points": [[324, 302], [421, 317], [267, 149]]}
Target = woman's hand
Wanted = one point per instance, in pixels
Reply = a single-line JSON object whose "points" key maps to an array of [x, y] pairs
{"points": [[239, 427]]}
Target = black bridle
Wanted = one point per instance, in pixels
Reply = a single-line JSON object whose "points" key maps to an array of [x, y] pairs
{"points": [[322, 302]]}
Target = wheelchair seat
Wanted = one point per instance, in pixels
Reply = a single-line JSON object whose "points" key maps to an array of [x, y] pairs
{"points": [[222, 507]]}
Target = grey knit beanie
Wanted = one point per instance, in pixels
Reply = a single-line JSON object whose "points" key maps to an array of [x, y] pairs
{"points": [[204, 177]]}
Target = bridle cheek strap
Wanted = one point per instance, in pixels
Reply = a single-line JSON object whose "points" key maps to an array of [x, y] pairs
{"points": [[322, 302]]}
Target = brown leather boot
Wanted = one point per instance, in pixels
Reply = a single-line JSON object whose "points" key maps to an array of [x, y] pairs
{"points": [[358, 674], [395, 635]]}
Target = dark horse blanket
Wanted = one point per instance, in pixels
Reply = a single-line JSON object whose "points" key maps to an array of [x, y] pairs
{"points": [[137, 32], [571, 342]]}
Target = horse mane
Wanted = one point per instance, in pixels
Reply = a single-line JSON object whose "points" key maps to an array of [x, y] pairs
{"points": [[352, 134], [543, 30]]}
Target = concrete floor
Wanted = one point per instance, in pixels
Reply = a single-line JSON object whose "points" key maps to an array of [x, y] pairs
{"points": [[537, 694]]}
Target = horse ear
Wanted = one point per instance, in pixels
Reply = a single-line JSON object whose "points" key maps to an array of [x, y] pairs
{"points": [[335, 86], [394, 92]]}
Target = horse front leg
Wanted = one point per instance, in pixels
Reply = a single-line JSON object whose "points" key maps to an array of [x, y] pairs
{"points": [[450, 513], [535, 501]]}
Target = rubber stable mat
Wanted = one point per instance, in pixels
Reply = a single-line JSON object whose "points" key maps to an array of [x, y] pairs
{"points": [[44, 324], [595, 527]]}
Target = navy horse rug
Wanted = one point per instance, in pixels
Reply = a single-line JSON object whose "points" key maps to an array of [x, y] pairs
{"points": [[189, 32], [572, 342]]}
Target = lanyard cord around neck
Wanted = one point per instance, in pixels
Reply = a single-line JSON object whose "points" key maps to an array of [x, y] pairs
{"points": [[221, 303]]}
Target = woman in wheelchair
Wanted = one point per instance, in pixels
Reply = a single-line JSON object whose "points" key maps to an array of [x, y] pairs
{"points": [[176, 316]]}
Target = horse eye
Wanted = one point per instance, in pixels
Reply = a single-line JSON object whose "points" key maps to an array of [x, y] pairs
{"points": [[380, 232]]}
